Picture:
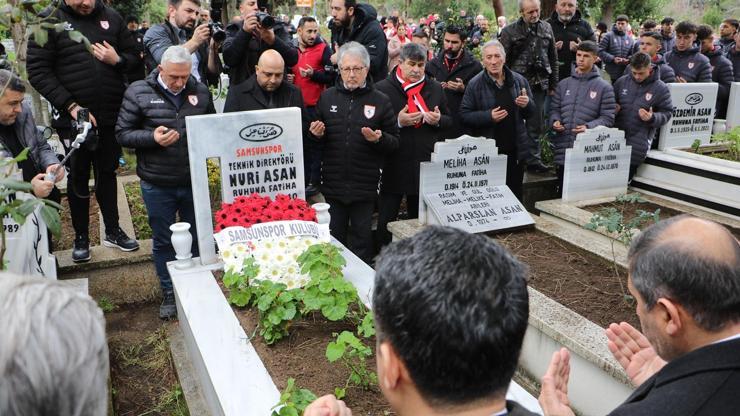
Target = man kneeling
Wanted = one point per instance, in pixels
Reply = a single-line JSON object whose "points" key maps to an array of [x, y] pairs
{"points": [[450, 311]]}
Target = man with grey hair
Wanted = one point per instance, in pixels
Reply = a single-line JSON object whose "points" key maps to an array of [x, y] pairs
{"points": [[530, 51], [356, 128], [495, 105], [152, 121], [53, 350], [421, 108], [569, 29], [684, 273]]}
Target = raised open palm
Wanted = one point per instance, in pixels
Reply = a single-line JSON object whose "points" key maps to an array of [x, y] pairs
{"points": [[633, 352]]}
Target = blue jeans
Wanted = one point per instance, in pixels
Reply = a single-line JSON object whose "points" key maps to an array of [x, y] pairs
{"points": [[163, 204]]}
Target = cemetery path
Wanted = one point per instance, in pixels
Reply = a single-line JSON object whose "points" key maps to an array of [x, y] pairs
{"points": [[143, 377]]}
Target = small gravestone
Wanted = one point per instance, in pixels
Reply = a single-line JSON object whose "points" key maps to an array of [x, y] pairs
{"points": [[27, 245], [692, 117], [463, 186], [597, 166], [259, 151], [733, 106]]}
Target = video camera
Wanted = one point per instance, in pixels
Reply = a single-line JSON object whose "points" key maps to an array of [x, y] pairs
{"points": [[266, 20], [217, 31]]}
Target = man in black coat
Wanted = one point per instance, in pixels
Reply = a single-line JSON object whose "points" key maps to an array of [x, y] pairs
{"points": [[247, 38], [357, 127], [265, 89], [496, 106], [152, 121], [684, 274], [569, 30], [353, 22], [453, 67], [422, 117], [70, 77]]}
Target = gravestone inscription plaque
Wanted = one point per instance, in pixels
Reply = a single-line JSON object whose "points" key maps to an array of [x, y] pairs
{"points": [[692, 117]]}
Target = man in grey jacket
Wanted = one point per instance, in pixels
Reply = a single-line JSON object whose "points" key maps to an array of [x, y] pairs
{"points": [[643, 106], [686, 59], [582, 101]]}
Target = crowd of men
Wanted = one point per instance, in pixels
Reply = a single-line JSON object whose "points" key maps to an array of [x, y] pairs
{"points": [[375, 98]]}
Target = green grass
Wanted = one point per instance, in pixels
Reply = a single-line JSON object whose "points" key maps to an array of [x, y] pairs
{"points": [[106, 305], [138, 211]]}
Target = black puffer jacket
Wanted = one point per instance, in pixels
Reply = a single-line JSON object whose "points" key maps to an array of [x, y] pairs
{"points": [[366, 30], [64, 71], [690, 64], [401, 170], [576, 30], [615, 44], [734, 56], [530, 51], [350, 165], [666, 72], [146, 107], [721, 74], [466, 69]]}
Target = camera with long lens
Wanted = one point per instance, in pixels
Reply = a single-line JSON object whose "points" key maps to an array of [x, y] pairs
{"points": [[265, 20], [217, 31]]}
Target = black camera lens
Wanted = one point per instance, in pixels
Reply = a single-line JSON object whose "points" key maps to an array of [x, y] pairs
{"points": [[265, 20]]}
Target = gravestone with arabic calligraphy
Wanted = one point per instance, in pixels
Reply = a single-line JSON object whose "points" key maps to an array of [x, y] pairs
{"points": [[259, 152]]}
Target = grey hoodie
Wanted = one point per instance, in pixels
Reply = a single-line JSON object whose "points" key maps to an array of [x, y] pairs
{"points": [[581, 99], [690, 64]]}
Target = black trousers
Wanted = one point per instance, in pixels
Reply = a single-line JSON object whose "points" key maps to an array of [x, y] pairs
{"points": [[388, 207], [514, 175], [351, 224], [104, 162]]}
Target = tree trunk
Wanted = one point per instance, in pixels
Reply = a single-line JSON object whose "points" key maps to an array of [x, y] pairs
{"points": [[498, 7], [546, 8], [607, 13]]}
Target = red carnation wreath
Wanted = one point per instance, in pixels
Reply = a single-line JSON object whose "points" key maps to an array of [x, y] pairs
{"points": [[246, 211]]}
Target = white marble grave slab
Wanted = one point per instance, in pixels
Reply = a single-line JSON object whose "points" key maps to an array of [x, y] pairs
{"points": [[260, 151], [693, 114], [733, 106], [457, 164], [597, 166], [479, 209]]}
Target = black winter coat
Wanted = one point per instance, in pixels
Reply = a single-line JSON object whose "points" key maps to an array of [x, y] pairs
{"points": [[721, 74], [249, 96], [631, 97], [465, 70], [401, 169], [146, 107], [366, 30], [690, 64], [581, 99], [535, 57], [242, 50], [615, 44], [350, 165], [703, 382], [734, 56], [64, 71], [667, 74], [480, 99], [575, 30]]}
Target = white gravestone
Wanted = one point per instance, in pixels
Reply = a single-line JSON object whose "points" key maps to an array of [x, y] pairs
{"points": [[458, 164], [27, 250], [260, 152], [464, 187], [733, 106], [693, 114], [597, 166]]}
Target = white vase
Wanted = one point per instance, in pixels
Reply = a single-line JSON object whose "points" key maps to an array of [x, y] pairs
{"points": [[322, 212], [182, 241], [720, 126]]}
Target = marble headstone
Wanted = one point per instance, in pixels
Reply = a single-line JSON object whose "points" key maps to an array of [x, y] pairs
{"points": [[693, 114], [733, 106], [462, 163], [597, 166], [259, 151], [27, 250]]}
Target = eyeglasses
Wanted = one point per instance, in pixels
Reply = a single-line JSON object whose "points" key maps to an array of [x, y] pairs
{"points": [[353, 70]]}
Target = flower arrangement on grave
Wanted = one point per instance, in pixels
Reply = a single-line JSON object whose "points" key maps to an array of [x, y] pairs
{"points": [[246, 211]]}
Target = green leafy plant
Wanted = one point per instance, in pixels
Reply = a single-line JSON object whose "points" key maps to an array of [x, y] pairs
{"points": [[354, 354], [696, 145], [546, 151], [18, 209], [731, 139], [293, 400], [327, 291]]}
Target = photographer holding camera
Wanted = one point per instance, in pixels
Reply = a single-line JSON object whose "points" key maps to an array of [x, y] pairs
{"points": [[182, 19], [246, 39]]}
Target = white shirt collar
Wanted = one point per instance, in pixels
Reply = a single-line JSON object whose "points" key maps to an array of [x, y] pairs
{"points": [[163, 85]]}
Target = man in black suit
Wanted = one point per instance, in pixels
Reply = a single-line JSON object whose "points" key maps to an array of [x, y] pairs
{"points": [[685, 275]]}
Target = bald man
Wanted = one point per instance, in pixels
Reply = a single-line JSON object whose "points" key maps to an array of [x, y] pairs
{"points": [[684, 273], [265, 88]]}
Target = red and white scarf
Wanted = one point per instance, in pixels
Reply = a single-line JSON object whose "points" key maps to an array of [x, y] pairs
{"points": [[414, 100]]}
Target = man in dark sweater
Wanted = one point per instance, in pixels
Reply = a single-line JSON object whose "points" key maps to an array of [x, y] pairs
{"points": [[152, 121], [569, 30]]}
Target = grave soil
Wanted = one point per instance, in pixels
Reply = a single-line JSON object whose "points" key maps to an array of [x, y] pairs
{"points": [[301, 356], [630, 211], [136, 206], [143, 376], [67, 238], [573, 277]]}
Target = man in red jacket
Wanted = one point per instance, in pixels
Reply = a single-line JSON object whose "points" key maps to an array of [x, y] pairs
{"points": [[313, 72]]}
